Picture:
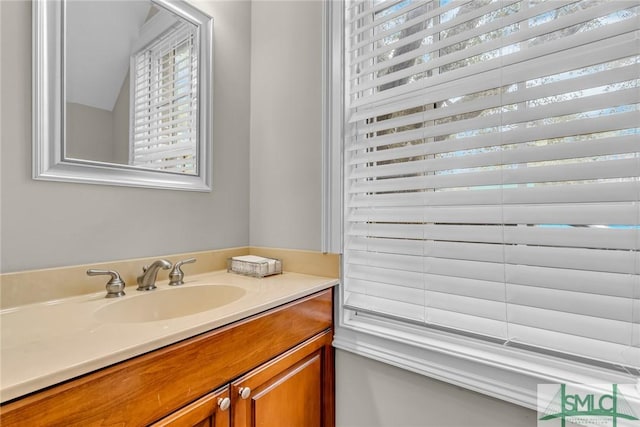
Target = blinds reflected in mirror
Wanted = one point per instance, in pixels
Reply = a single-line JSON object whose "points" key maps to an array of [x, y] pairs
{"points": [[165, 103]]}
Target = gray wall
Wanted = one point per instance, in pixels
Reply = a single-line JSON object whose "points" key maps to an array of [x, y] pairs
{"points": [[374, 394], [89, 133], [286, 67], [100, 135], [121, 124], [46, 224]]}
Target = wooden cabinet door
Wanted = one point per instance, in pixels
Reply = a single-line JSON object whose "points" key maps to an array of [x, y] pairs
{"points": [[293, 390], [212, 410]]}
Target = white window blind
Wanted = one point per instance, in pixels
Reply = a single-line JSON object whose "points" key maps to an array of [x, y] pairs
{"points": [[492, 164], [165, 102]]}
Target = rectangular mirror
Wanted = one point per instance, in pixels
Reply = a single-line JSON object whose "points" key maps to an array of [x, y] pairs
{"points": [[122, 93]]}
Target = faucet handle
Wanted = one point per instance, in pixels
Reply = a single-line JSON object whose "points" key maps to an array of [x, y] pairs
{"points": [[115, 285], [176, 275]]}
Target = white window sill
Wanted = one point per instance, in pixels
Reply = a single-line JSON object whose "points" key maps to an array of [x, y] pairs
{"points": [[499, 371]]}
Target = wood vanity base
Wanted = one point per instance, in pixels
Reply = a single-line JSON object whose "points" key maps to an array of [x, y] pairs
{"points": [[291, 343]]}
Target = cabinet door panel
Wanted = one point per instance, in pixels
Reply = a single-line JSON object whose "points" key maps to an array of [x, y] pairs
{"points": [[293, 399], [204, 412], [290, 391]]}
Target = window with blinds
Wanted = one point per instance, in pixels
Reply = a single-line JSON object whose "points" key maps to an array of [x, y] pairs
{"points": [[165, 103], [492, 171]]}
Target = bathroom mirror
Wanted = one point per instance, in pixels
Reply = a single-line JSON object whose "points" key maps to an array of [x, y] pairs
{"points": [[123, 93]]}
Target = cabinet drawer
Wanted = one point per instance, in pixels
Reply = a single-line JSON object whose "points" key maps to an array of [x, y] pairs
{"points": [[207, 411]]}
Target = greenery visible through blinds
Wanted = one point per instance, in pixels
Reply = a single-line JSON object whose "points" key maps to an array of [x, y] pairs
{"points": [[492, 170], [165, 103]]}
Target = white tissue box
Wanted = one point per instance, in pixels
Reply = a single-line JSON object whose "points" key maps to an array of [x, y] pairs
{"points": [[254, 266]]}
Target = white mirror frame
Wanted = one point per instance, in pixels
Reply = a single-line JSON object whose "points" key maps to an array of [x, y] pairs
{"points": [[48, 106]]}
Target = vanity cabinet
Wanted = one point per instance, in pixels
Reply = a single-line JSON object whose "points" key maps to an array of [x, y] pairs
{"points": [[276, 368]]}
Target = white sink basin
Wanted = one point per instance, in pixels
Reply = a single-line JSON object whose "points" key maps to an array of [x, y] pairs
{"points": [[169, 303]]}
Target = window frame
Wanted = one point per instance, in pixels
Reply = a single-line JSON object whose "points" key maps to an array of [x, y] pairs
{"points": [[501, 371]]}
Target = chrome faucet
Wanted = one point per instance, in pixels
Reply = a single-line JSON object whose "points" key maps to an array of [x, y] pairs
{"points": [[147, 280]]}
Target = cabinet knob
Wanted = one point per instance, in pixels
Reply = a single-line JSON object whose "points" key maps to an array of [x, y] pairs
{"points": [[244, 392], [224, 403]]}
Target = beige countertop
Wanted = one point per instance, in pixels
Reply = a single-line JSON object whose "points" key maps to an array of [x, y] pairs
{"points": [[46, 343]]}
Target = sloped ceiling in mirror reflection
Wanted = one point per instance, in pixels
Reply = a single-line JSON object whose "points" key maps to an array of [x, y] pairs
{"points": [[100, 35]]}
